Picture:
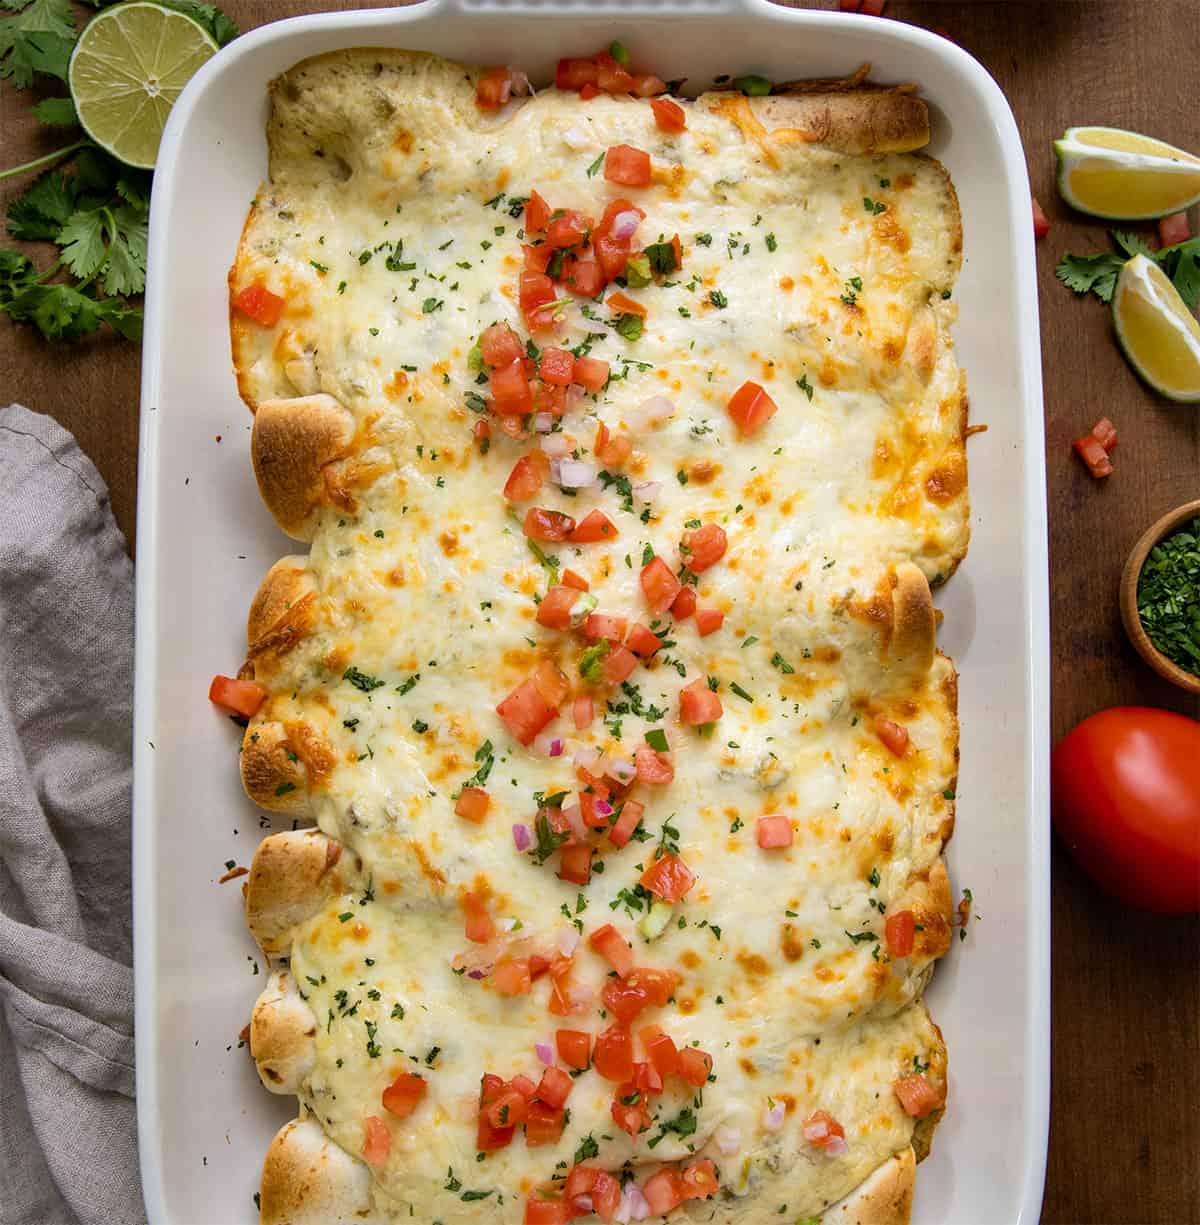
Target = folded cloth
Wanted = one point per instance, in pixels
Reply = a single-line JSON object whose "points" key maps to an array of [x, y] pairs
{"points": [[68, 1131]]}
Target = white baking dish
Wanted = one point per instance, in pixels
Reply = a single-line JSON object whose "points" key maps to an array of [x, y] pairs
{"points": [[205, 540]]}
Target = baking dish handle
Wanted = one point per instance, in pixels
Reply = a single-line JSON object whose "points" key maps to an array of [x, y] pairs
{"points": [[630, 8]]}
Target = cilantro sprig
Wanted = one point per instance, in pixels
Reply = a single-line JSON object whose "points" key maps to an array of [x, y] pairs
{"points": [[1098, 273]]}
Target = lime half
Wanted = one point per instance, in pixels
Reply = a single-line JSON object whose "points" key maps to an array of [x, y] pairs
{"points": [[1160, 336], [130, 64], [1125, 176]]}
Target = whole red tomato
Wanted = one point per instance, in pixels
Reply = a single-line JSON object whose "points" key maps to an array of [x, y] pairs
{"points": [[1126, 801]]}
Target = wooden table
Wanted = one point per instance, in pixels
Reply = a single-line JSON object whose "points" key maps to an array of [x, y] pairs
{"points": [[1125, 1121]]}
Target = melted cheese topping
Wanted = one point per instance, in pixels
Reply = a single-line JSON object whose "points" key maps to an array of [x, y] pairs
{"points": [[394, 235]]}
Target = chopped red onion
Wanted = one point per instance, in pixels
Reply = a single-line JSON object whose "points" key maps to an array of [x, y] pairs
{"points": [[575, 393], [543, 744], [568, 941], [556, 747], [477, 974], [543, 422], [510, 924], [555, 444], [574, 474], [728, 1139], [633, 1205], [575, 820], [836, 1146], [588, 759], [520, 83], [545, 1052], [522, 837], [622, 770], [648, 490], [602, 808], [625, 224], [653, 411], [575, 139], [773, 1119], [583, 1203]]}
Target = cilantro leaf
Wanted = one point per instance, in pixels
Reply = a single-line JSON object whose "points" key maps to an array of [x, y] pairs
{"points": [[56, 112], [1182, 264], [38, 37], [107, 241], [42, 209], [1095, 273], [61, 312], [84, 247], [217, 24], [1131, 244]]}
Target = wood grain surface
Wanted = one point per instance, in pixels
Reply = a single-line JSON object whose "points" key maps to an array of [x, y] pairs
{"points": [[1125, 1120]]}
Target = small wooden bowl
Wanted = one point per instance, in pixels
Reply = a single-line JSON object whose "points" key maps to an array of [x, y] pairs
{"points": [[1188, 681]]}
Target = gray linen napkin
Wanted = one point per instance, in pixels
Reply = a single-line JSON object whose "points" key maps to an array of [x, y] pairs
{"points": [[68, 1131]]}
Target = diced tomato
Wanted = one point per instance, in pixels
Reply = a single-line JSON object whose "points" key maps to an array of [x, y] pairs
{"points": [[574, 1048], [698, 704], [917, 1096], [1041, 223], [257, 302], [631, 1117], [668, 877], [653, 767], [527, 477], [1105, 433], [593, 527], [554, 1087], [404, 1094], [571, 579], [591, 373], [613, 1056], [751, 408], [624, 1000], [709, 620], [774, 832], [568, 229], [377, 1142], [684, 604], [472, 804], [668, 115], [823, 1131], [646, 85], [899, 931], [659, 585], [627, 166], [544, 1125], [588, 92], [1174, 229], [643, 642], [525, 712], [612, 256], [537, 214], [510, 1109], [480, 928], [537, 256], [242, 697], [604, 626], [488, 1138], [557, 366], [536, 289], [659, 985], [575, 73], [547, 1211], [646, 1079], [575, 863], [510, 390], [483, 436], [606, 1196], [704, 547], [627, 821], [611, 77], [495, 88], [1092, 452], [700, 1180], [623, 304], [583, 276], [618, 665], [551, 683], [894, 737], [560, 1000], [549, 525], [554, 612], [612, 946], [695, 1066], [511, 976], [500, 346], [663, 1192], [872, 8], [660, 1050], [583, 711], [611, 451]]}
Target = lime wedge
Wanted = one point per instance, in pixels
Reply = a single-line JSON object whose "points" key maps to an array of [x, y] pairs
{"points": [[130, 64], [1160, 336], [1124, 176]]}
